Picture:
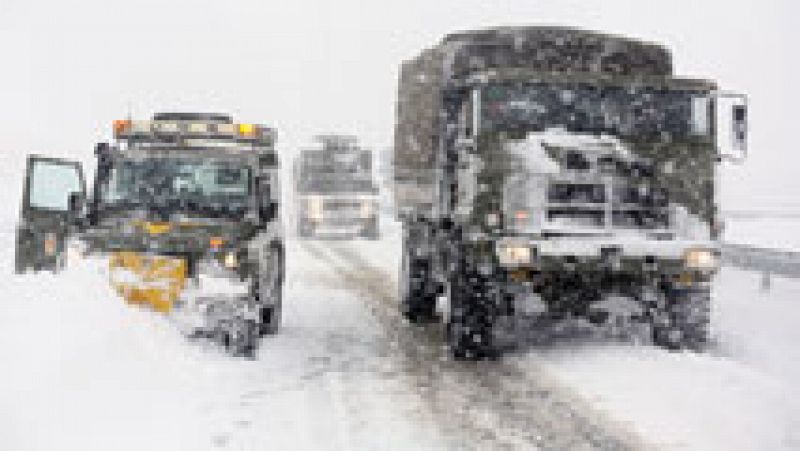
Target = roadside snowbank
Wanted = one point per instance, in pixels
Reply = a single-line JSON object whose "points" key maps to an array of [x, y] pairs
{"points": [[82, 371]]}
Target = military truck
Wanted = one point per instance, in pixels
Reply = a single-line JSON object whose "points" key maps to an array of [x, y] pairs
{"points": [[336, 193], [545, 173], [185, 205]]}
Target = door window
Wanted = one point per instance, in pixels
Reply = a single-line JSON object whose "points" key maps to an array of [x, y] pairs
{"points": [[51, 184]]}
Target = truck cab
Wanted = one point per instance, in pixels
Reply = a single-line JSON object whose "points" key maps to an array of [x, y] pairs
{"points": [[185, 206], [335, 190]]}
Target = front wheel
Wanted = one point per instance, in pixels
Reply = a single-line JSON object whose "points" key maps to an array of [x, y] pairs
{"points": [[239, 337], [269, 292], [271, 318], [684, 323], [473, 312], [243, 338]]}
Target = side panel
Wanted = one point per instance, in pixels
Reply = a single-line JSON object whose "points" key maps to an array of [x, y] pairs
{"points": [[416, 137]]}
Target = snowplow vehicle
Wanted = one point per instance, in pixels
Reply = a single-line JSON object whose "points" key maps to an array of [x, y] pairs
{"points": [[185, 206], [546, 173], [335, 191]]}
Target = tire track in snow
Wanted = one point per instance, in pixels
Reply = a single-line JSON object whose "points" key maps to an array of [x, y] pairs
{"points": [[336, 372], [486, 404]]}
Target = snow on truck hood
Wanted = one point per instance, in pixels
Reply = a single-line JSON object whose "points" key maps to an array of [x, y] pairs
{"points": [[533, 154]]}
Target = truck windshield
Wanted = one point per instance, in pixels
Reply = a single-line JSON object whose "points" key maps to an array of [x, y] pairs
{"points": [[636, 112], [327, 182], [321, 171], [202, 186]]}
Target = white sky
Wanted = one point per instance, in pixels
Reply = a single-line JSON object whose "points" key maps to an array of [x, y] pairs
{"points": [[309, 67]]}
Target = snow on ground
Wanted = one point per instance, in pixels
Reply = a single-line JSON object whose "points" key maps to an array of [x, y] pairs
{"points": [[740, 395], [81, 370]]}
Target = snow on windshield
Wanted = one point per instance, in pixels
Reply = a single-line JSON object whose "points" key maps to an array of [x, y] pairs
{"points": [[170, 178]]}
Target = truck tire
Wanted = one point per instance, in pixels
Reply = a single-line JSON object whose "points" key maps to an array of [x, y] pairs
{"points": [[469, 330], [269, 292], [271, 316], [417, 296], [241, 337], [686, 320]]}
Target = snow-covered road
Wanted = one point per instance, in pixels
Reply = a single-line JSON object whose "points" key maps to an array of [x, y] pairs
{"points": [[80, 370]]}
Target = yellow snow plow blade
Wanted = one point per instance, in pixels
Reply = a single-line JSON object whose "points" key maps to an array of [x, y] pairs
{"points": [[148, 279]]}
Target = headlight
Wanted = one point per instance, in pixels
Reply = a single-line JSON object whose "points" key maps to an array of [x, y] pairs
{"points": [[230, 260], [366, 209], [513, 254], [700, 259], [315, 208]]}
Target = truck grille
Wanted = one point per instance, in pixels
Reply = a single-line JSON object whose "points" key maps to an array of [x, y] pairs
{"points": [[617, 204], [342, 204], [576, 193], [586, 201]]}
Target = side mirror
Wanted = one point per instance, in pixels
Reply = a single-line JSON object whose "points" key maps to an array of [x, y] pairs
{"points": [[731, 130], [739, 113]]}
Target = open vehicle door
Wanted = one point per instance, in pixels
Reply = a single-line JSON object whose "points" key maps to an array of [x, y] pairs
{"points": [[53, 198]]}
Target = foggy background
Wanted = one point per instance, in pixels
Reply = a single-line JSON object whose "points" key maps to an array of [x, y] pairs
{"points": [[69, 69]]}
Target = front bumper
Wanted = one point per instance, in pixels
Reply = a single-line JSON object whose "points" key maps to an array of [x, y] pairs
{"points": [[338, 225], [162, 283], [155, 280], [617, 253]]}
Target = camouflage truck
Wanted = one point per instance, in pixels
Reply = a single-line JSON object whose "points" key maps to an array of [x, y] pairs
{"points": [[336, 193], [186, 208], [544, 173]]}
